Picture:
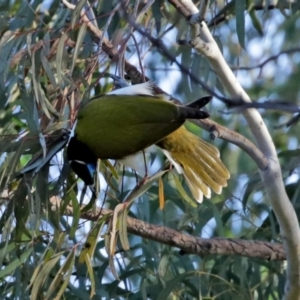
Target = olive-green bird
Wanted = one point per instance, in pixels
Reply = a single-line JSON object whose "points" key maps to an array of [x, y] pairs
{"points": [[128, 120]]}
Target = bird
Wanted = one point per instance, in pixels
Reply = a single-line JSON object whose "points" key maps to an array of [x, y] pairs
{"points": [[126, 121]]}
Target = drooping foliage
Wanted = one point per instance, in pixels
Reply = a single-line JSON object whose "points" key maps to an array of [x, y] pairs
{"points": [[51, 61]]}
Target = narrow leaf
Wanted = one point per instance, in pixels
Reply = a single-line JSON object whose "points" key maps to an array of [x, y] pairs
{"points": [[6, 248], [114, 232], [76, 12], [123, 230], [217, 216], [173, 284], [110, 167], [143, 187], [43, 275], [80, 38], [48, 69], [59, 58], [161, 194], [182, 191], [91, 275], [62, 272], [92, 239], [76, 215], [113, 268], [240, 6], [65, 284], [15, 263], [255, 21]]}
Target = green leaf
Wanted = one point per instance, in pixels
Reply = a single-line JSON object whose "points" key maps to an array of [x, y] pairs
{"points": [[114, 231], [8, 43], [173, 284], [144, 186], [255, 21], [59, 59], [36, 83], [240, 6], [123, 229], [217, 216], [253, 185], [156, 9], [65, 284], [289, 153], [163, 266], [182, 191], [48, 69], [76, 12], [21, 201], [42, 274], [76, 216], [10, 268], [6, 248], [63, 274], [91, 275], [110, 167], [29, 106], [79, 41], [92, 239]]}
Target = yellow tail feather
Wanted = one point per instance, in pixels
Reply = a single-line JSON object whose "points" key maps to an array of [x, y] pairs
{"points": [[198, 161]]}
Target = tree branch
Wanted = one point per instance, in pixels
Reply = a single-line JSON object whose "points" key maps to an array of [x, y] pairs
{"points": [[204, 43], [235, 138], [188, 244]]}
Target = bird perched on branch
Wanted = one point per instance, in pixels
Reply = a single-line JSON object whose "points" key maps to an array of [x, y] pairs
{"points": [[128, 120]]}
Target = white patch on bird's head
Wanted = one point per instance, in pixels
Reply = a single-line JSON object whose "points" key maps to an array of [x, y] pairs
{"points": [[145, 88]]}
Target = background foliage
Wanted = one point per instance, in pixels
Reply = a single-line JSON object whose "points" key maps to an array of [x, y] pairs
{"points": [[49, 63]]}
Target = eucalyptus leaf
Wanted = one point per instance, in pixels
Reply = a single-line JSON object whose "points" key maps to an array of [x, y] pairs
{"points": [[17, 262], [77, 11], [59, 59], [240, 6], [123, 235], [91, 275], [63, 274], [80, 38], [144, 186], [43, 273]]}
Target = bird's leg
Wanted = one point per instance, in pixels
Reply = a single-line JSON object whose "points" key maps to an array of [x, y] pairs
{"points": [[146, 169], [122, 183], [145, 164]]}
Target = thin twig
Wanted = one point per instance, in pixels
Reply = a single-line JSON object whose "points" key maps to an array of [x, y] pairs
{"points": [[269, 59]]}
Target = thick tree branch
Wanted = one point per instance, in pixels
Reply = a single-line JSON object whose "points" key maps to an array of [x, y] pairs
{"points": [[187, 243], [204, 43]]}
